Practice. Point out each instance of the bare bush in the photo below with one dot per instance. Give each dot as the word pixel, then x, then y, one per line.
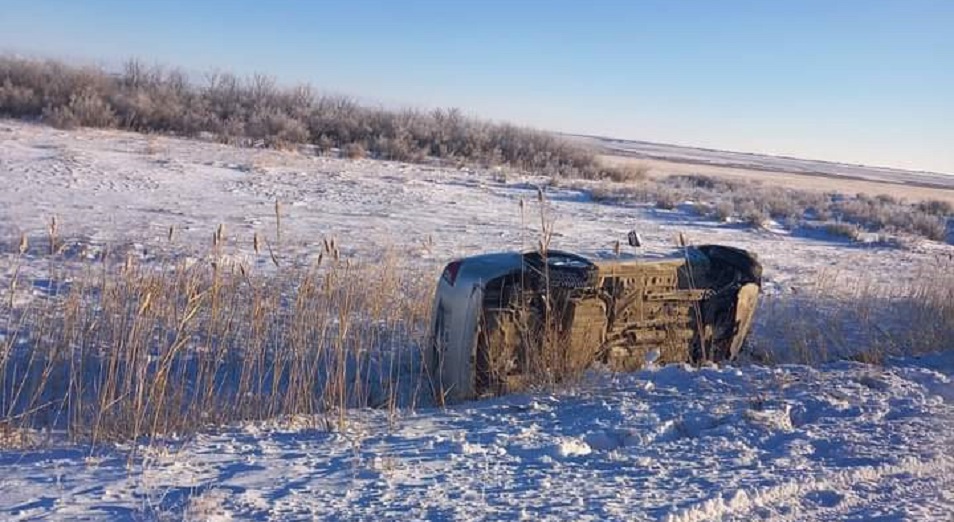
pixel 19 101
pixel 324 144
pixel 142 350
pixel 629 173
pixel 91 110
pixel 401 148
pixel 876 214
pixel 354 151
pixel 755 203
pixel 257 110
pixel 846 230
pixel 60 117
pixel 936 207
pixel 666 200
pixel 781 205
pixel 723 210
pixel 753 214
pixel 927 225
pixel 276 128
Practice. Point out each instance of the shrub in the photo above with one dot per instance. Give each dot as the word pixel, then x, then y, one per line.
pixel 781 205
pixel 754 204
pixel 666 200
pixel 723 210
pixel 399 148
pixel 628 173
pixel 276 128
pixel 928 225
pixel 60 117
pixel 752 214
pixel 354 150
pixel 887 199
pixel 91 110
pixel 936 207
pixel 324 144
pixel 258 110
pixel 847 230
pixel 19 101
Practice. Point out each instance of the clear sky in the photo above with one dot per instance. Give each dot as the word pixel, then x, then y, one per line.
pixel 863 81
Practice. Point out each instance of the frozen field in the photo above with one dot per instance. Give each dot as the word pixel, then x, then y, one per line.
pixel 125 190
pixel 794 173
pixel 840 441
pixel 771 164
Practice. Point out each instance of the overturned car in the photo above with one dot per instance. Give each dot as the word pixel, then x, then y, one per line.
pixel 501 320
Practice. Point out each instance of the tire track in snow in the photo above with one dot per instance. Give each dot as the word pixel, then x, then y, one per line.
pixel 743 504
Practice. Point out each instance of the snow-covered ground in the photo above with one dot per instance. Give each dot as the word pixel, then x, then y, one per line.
pixel 125 190
pixel 845 441
pixel 839 441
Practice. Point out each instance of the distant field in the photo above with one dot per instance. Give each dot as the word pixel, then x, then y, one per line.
pixel 667 160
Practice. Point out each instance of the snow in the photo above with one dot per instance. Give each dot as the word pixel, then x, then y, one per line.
pixel 125 191
pixel 839 440
pixel 789 443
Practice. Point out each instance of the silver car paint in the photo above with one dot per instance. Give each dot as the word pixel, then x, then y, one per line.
pixel 457 308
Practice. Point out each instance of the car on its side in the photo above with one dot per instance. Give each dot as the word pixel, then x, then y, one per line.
pixel 500 319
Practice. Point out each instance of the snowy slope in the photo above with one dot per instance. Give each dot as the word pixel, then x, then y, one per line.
pixel 841 441
pixel 845 441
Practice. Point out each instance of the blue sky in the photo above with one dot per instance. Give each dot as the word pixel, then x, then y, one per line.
pixel 863 81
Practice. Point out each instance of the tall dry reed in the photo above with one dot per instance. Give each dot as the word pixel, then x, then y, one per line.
pixel 124 349
pixel 852 318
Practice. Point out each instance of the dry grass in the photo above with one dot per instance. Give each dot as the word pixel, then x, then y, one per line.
pixel 860 320
pixel 122 350
pixel 756 203
pixel 874 185
pixel 846 230
pixel 354 151
pixel 546 359
pixel 125 350
pixel 128 351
